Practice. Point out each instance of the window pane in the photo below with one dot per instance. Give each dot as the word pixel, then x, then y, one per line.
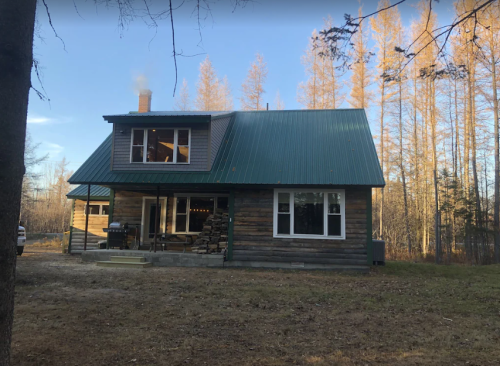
pixel 308 213
pixel 334 226
pixel 183 137
pixel 180 223
pixel 93 209
pixel 283 202
pixel 137 153
pixel 223 203
pixel 284 223
pixel 183 154
pixel 138 137
pixel 181 204
pixel 160 146
pixel 105 209
pixel 199 210
pixel 334 203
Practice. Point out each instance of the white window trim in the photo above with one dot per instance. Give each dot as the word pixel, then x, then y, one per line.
pixel 325 216
pixel 145 146
pixel 163 213
pixel 95 204
pixel 188 204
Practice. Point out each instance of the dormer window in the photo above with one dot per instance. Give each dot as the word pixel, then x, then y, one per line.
pixel 160 145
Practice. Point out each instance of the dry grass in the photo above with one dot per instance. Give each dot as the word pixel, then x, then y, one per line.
pixel 71 313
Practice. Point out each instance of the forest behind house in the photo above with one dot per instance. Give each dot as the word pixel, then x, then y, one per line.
pixel 434 116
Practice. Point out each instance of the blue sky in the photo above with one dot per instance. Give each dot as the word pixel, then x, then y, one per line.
pixel 93 75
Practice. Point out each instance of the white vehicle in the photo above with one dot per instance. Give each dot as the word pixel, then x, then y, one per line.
pixel 21 239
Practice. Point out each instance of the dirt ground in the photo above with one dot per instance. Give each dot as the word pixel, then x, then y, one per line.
pixel 74 313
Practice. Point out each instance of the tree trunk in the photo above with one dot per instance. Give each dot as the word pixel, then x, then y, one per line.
pixel 381 213
pixel 17 20
pixel 496 215
pixel 405 198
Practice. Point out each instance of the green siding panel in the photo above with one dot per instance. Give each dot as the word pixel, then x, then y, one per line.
pixel 300 147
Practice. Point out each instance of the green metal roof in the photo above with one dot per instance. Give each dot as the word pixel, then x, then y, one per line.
pixel 299 147
pixel 97 193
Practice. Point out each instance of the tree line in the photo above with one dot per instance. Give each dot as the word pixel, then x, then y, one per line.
pixel 44 206
pixel 436 117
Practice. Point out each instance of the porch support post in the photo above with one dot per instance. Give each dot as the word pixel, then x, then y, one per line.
pixel 110 213
pixel 87 208
pixel 157 216
pixel 230 227
pixel 71 225
pixel 369 239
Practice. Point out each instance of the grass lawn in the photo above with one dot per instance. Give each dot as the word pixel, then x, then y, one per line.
pixel 73 313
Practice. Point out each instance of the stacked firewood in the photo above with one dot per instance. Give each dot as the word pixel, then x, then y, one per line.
pixel 213 238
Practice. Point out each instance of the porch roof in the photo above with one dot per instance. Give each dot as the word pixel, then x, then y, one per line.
pixel 296 147
pixel 97 193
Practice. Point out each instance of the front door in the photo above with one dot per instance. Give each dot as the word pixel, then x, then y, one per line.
pixel 149 218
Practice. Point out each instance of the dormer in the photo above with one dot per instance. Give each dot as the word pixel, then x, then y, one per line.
pixel 166 141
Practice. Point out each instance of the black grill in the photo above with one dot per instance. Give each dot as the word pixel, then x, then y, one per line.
pixel 117 235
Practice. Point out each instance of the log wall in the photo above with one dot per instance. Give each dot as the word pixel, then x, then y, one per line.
pixel 96 224
pixel 128 208
pixel 253 230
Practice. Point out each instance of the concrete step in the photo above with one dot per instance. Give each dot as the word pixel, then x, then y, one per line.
pixel 113 264
pixel 128 259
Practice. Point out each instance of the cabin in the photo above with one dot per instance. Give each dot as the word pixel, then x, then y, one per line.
pixel 276 189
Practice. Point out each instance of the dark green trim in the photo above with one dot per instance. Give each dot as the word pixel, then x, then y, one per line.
pixel 157 119
pixel 111 205
pixel 70 237
pixel 92 198
pixel 369 239
pixel 111 211
pixel 230 228
pixel 71 226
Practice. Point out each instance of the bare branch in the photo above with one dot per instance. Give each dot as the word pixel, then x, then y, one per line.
pixel 173 45
pixel 51 25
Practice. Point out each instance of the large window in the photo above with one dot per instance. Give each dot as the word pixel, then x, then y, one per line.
pixel 160 145
pixel 309 213
pixel 191 211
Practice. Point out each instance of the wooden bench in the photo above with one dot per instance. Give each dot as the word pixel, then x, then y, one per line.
pixel 165 239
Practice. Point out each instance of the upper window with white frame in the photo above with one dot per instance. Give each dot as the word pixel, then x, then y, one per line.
pixel 305 213
pixel 161 145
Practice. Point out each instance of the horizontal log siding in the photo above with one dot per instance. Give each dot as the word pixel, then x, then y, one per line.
pixel 218 130
pixel 198 150
pixel 253 224
pixel 96 224
pixel 128 207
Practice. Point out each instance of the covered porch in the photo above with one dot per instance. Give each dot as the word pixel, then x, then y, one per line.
pixel 160 218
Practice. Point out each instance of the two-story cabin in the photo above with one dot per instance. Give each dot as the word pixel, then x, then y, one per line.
pixel 294 185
